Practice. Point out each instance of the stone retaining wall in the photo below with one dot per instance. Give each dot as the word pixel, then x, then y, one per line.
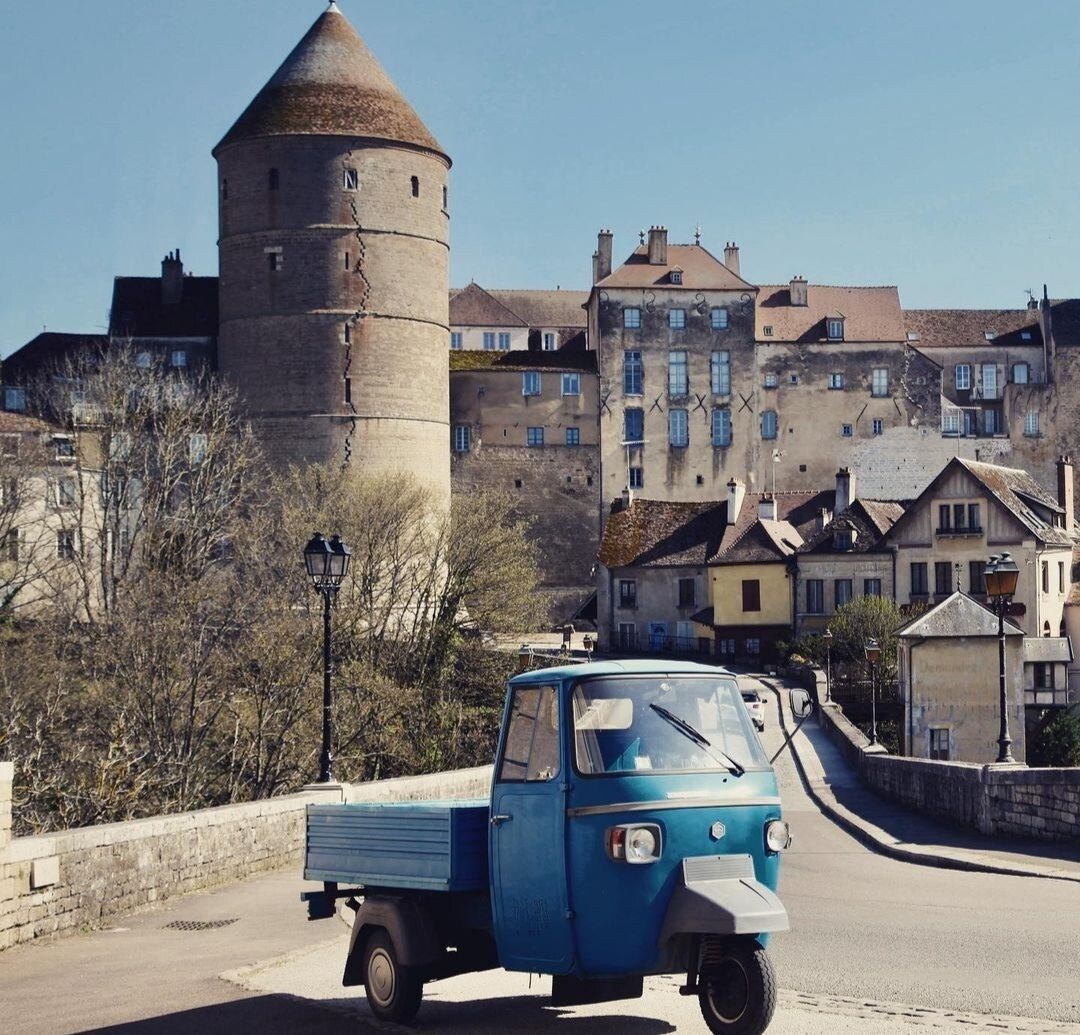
pixel 994 799
pixel 57 883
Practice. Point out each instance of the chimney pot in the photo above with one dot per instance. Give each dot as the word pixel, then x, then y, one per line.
pixel 735 493
pixel 731 257
pixel 602 263
pixel 767 507
pixel 172 279
pixel 845 490
pixel 799 295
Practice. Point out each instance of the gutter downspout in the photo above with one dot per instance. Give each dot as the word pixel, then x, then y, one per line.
pixel 909 693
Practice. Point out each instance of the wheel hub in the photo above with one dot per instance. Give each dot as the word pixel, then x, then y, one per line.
pixel 729 990
pixel 380 977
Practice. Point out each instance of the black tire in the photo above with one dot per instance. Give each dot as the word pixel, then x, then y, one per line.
pixel 393 991
pixel 737 988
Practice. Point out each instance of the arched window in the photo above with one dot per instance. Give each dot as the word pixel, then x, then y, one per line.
pixel 416 186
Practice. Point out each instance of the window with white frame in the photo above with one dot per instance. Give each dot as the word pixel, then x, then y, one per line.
pixel 963 377
pixel 573 436
pixel 834 328
pixel 815 596
pixel 846 431
pixel 877 426
pixel 1020 373
pixel 65 447
pixel 879 384
pixel 836 380
pixel 950 422
pixel 633 424
pixel 631 317
pixel 489 341
pixel 1031 423
pixel 718 318
pixel 65 544
pixel 771 380
pixel 720 373
pixel 768 424
pixel 676 319
pixel 275 259
pixel 351 179
pixel 456 340
pixel 462 438
pixel 633 372
pixel 871 587
pixel 530 382
pixel 636 477
pixel 678 428
pixel 989 380
pixel 504 341
pixel 939 744
pixel 66 492
pixel 571 384
pixel 721 426
pixel 534 437
pixel 179 358
pixel 841 591
pixel 678 383
pixel 550 341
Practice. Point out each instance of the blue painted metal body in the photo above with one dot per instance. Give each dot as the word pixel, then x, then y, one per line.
pixel 559 904
pixel 592 915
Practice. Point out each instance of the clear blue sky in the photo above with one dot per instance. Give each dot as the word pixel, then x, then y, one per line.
pixel 932 145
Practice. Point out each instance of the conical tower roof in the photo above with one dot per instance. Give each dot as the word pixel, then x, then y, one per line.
pixel 331 85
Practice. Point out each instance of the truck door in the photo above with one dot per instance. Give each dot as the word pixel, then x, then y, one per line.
pixel 528 859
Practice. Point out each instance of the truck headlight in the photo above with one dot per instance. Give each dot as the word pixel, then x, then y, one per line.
pixel 777 835
pixel 634 842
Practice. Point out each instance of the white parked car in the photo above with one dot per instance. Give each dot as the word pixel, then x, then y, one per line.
pixel 755 706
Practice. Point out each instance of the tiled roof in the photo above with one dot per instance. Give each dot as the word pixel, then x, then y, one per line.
pixel 23 423
pixel 1016 490
pixel 45 351
pixel 656 533
pixel 869 519
pixel 519 359
pixel 472 306
pixel 951 328
pixel 137 309
pixel 545 308
pixel 870 313
pixel 957 615
pixel 701 270
pixel 331 85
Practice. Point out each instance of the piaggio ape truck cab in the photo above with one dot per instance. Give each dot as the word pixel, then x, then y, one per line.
pixel 633 828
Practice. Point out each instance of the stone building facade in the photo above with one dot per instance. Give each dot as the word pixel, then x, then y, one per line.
pixel 334 248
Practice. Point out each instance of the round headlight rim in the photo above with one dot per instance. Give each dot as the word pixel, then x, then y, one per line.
pixel 774 843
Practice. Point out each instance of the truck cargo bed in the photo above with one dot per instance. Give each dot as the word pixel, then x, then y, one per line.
pixel 435 846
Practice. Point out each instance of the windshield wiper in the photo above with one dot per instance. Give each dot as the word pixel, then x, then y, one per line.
pixel 699 738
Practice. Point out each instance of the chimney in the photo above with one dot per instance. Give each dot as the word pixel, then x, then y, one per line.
pixel 798 291
pixel 1066 490
pixel 731 257
pixel 172 279
pixel 845 490
pixel 658 246
pixel 1046 325
pixel 602 265
pixel 627 497
pixel 735 493
pixel 766 510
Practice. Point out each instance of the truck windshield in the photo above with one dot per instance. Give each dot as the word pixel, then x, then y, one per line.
pixel 617 731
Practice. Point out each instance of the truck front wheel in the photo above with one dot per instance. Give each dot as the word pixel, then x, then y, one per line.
pixel 393 991
pixel 736 988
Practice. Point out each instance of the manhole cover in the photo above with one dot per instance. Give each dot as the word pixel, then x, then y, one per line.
pixel 199 925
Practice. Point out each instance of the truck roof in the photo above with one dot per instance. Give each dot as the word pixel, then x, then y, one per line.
pixel 632 667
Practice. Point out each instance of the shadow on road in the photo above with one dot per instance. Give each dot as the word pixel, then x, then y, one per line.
pixel 276 1013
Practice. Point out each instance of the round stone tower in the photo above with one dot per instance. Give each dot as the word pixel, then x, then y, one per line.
pixel 334 248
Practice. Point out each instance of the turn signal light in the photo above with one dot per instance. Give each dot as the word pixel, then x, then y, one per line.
pixel 634 842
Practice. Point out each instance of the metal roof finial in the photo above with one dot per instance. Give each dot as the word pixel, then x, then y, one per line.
pixel 697 234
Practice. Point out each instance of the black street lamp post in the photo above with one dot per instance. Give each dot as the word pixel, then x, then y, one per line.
pixel 327 563
pixel 1001 576
pixel 827 636
pixel 873 656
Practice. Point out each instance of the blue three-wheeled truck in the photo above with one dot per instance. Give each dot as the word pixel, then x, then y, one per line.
pixel 633 828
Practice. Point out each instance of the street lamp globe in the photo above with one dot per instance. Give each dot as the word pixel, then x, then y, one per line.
pixel 317 555
pixel 1002 575
pixel 873 651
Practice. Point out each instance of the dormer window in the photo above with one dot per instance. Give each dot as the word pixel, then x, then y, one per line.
pixel 834 328
pixel 675 276
pixel 989 335
pixel 767 330
pixel 844 538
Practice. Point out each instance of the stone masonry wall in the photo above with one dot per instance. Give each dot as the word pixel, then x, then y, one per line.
pixel 59 883
pixel 1012 800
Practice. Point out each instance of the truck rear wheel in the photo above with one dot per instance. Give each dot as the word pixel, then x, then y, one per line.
pixel 736 987
pixel 393 991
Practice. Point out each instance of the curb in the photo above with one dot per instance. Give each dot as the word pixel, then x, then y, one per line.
pixel 874 838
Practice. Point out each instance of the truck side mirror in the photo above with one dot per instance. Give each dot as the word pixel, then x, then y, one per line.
pixel 802 704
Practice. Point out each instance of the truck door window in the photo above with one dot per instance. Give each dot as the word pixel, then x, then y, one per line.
pixel 531 751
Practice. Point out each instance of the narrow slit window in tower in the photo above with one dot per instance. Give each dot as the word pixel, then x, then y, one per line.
pixel 346 260
pixel 274 179
pixel 352 179
pixel 444 199
pixel 348 389
pixel 416 186
pixel 348 333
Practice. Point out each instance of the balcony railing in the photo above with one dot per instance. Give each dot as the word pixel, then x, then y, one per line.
pixel 963 530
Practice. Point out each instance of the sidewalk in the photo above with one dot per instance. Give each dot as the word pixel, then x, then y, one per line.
pixel 901 832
